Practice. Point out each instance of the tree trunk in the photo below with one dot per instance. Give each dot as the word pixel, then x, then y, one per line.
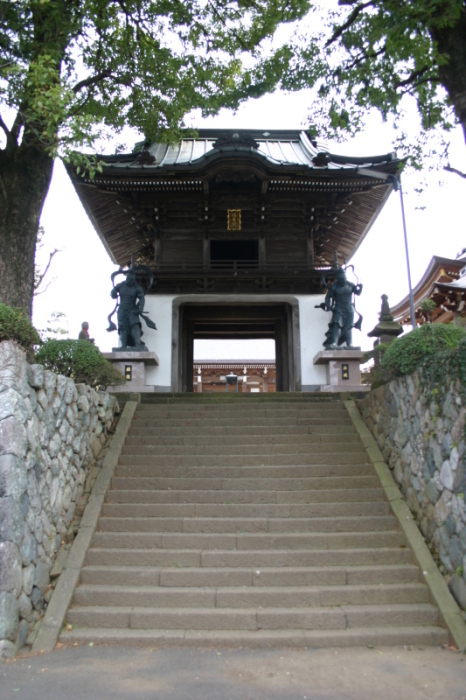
pixel 451 42
pixel 25 174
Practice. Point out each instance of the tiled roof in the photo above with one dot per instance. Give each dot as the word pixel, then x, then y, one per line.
pixel 278 148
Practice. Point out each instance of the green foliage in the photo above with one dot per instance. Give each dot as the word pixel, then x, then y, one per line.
pixel 71 69
pixel 15 325
pixel 367 55
pixel 427 306
pixel 80 360
pixel 422 345
pixel 77 71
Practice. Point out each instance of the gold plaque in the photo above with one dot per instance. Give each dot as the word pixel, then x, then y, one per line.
pixel 234 219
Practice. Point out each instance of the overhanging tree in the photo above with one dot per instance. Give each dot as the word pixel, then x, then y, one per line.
pixel 374 53
pixel 69 68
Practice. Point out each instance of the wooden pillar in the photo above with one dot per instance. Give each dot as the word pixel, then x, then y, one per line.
pixel 310 249
pixel 157 250
pixel 262 252
pixel 187 350
pixel 206 252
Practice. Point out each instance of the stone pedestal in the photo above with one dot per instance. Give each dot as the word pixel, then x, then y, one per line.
pixel 133 366
pixel 343 373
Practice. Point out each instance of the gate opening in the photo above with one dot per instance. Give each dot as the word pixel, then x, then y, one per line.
pixel 240 322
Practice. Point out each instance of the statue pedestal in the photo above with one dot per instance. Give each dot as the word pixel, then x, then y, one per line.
pixel 132 364
pixel 343 373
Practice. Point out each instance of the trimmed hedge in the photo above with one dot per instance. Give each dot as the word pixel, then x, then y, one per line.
pixel 80 360
pixel 16 325
pixel 421 345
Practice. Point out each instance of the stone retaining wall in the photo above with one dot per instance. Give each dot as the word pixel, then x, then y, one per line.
pixel 52 431
pixel 420 429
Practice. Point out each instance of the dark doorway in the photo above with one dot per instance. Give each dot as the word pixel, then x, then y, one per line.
pixel 239 321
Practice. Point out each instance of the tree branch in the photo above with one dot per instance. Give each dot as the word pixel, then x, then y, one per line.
pixel 39 278
pixel 351 19
pixel 365 57
pixel 412 79
pixel 92 81
pixel 449 169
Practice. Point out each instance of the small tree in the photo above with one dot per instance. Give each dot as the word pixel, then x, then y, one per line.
pixel 427 307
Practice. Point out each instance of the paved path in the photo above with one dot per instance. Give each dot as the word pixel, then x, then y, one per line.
pixel 85 672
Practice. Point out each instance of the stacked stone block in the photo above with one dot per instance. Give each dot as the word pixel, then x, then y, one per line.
pixel 420 429
pixel 51 432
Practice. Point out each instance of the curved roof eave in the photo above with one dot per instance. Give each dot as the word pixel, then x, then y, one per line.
pixel 265 163
pixel 434 263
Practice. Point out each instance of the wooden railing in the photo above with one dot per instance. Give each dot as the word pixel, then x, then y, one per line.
pixel 242 266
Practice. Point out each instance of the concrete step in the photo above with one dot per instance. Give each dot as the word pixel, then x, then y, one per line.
pixel 312 441
pixel 276 472
pixel 226 485
pixel 259 510
pixel 232 406
pixel 237 448
pixel 241 420
pixel 256 541
pixel 177 559
pixel 225 414
pixel 246 521
pixel 252 576
pixel 253 618
pixel 263 460
pixel 247 496
pixel 254 639
pixel 227 430
pixel 240 597
pixel 278 401
pixel 249 408
pixel 374 523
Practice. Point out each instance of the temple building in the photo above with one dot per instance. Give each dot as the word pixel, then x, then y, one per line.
pixel 243 233
pixel 444 284
pixel 220 376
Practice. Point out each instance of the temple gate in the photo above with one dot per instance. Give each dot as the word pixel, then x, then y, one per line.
pixel 243 233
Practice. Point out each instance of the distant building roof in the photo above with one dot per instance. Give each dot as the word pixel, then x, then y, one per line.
pixel 444 282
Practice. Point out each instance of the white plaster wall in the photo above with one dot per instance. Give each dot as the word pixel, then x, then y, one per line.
pixel 313 326
pixel 159 341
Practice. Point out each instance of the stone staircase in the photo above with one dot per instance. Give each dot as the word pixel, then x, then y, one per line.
pixel 248 521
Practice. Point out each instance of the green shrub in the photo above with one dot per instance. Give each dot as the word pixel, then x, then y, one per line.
pixel 15 325
pixel 80 360
pixel 421 345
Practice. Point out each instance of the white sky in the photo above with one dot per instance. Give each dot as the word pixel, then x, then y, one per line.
pixel 82 270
